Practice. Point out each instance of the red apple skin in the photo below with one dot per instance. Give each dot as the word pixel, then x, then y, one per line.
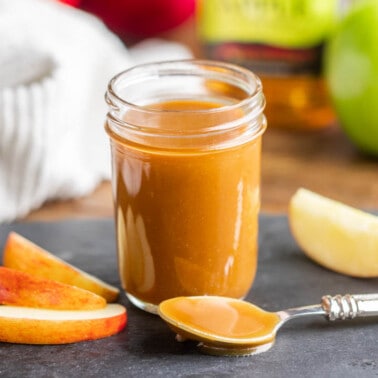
pixel 73 3
pixel 140 18
pixel 23 289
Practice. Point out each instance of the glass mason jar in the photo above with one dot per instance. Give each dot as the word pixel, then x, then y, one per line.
pixel 186 144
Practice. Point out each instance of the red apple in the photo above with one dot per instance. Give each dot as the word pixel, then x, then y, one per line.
pixel 140 18
pixel 73 3
pixel 22 254
pixel 24 289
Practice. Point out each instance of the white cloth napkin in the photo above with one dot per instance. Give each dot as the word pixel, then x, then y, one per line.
pixel 55 63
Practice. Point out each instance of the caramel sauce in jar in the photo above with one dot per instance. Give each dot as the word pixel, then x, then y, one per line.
pixel 186 174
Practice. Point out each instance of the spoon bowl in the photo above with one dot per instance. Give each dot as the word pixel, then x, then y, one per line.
pixel 220 323
pixel 227 326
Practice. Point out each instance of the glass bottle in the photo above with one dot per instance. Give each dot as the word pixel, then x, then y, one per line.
pixel 282 41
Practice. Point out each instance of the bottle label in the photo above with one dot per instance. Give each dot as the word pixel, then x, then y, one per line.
pixel 270 36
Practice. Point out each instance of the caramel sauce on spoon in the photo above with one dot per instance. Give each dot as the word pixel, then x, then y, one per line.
pixel 223 325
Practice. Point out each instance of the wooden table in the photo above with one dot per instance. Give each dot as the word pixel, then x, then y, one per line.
pixel 323 161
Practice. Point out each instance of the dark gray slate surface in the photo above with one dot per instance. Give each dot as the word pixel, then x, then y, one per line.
pixel 310 347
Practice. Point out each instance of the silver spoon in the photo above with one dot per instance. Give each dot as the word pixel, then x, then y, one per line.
pixel 226 326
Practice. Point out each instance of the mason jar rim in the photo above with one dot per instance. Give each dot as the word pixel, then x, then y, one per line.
pixel 250 78
pixel 235 120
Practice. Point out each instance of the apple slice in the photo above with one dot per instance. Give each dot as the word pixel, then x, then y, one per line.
pixel 22 254
pixel 24 325
pixel 336 236
pixel 24 289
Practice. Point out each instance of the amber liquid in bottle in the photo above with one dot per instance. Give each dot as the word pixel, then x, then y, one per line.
pixel 297 102
pixel 294 101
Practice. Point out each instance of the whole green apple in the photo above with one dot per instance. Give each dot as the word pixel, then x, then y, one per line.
pixel 351 72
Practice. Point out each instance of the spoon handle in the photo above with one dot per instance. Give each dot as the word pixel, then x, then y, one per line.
pixel 349 306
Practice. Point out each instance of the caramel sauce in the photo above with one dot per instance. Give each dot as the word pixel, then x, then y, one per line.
pixel 186 219
pixel 217 319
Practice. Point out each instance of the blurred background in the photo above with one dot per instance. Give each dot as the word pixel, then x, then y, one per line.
pixel 318 61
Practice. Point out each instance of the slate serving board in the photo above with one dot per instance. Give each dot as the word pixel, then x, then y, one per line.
pixel 308 347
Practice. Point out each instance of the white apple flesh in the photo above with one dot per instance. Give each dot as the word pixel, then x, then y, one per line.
pixel 23 325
